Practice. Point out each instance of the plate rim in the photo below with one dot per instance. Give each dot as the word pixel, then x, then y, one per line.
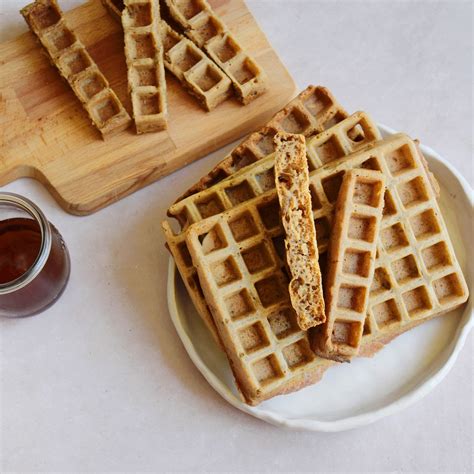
pixel 350 422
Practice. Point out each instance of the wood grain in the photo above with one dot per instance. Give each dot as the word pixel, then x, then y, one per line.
pixel 46 135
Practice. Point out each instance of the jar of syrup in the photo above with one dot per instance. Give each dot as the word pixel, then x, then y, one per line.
pixel 34 261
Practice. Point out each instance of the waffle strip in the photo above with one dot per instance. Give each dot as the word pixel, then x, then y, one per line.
pixel 67 53
pixel 204 27
pixel 417 275
pixel 350 263
pixel 196 72
pixel 314 110
pixel 254 181
pixel 292 185
pixel 145 68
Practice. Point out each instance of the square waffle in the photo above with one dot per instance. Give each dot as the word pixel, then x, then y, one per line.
pixel 350 263
pixel 311 112
pixel 351 134
pixel 206 29
pixel 247 291
pixel 46 20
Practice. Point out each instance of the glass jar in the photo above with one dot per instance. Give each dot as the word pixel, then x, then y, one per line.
pixel 34 261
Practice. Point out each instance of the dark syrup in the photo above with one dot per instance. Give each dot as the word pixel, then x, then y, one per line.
pixel 20 243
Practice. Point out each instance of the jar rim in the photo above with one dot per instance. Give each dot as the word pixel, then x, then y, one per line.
pixel 46 241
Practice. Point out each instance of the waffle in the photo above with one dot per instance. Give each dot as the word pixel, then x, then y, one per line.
pixel 291 180
pixel 145 68
pixel 350 263
pixel 247 290
pixel 314 110
pixel 239 259
pixel 204 27
pixel 253 181
pixel 70 57
pixel 196 72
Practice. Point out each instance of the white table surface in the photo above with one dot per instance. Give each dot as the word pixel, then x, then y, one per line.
pixel 101 382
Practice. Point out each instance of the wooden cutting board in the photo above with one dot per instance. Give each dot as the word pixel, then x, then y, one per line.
pixel 45 133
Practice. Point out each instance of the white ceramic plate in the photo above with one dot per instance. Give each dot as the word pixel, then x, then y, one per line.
pixel 366 390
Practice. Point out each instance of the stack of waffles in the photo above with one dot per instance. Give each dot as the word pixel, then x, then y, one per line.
pixel 194 45
pixel 383 248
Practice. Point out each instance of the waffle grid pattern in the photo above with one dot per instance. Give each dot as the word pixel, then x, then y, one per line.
pixel 201 24
pixel 145 68
pixel 350 267
pixel 196 72
pixel 248 183
pixel 314 110
pixel 67 53
pixel 416 274
pixel 322 149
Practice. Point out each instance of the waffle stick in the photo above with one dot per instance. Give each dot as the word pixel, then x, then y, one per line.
pixel 67 53
pixel 314 110
pixel 254 181
pixel 416 278
pixel 291 180
pixel 207 30
pixel 350 263
pixel 145 67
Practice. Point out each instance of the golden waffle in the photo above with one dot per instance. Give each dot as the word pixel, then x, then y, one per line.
pixel 69 55
pixel 350 263
pixel 292 185
pixel 145 68
pixel 196 72
pixel 247 289
pixel 314 110
pixel 417 275
pixel 203 26
pixel 253 181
